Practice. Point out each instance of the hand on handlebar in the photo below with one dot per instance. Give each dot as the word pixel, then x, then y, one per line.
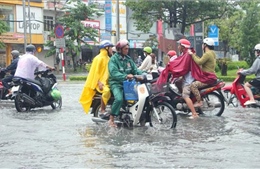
pixel 130 76
pixel 239 70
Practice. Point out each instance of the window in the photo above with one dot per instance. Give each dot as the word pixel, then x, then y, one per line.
pixel 48 23
pixel 7 14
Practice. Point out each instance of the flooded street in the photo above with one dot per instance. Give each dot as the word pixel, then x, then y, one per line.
pixel 68 138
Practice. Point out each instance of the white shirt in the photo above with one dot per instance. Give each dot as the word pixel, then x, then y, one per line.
pixel 145 66
pixel 188 79
pixel 27 65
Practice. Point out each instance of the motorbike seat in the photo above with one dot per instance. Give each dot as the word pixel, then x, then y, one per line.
pixel 211 85
pixel 17 79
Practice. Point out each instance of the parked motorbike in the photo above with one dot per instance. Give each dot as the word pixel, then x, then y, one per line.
pixel 40 92
pixel 213 99
pixel 238 94
pixel 143 103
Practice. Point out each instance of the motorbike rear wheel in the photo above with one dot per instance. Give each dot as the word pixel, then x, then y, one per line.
pixel 215 104
pixel 167 116
pixel 57 104
pixel 20 105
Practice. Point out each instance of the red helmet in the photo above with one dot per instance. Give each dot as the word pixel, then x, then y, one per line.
pixel 171 53
pixel 184 42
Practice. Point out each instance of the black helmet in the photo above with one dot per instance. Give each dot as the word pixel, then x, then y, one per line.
pixel 15 53
pixel 30 48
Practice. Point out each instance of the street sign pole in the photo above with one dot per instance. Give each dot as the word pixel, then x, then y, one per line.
pixel 59 33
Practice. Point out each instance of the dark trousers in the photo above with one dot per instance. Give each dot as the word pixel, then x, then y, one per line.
pixel 6 80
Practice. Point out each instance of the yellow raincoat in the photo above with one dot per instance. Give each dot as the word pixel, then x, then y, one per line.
pixel 98 72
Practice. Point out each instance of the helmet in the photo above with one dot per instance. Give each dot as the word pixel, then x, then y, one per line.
pixel 30 48
pixel 122 43
pixel 15 53
pixel 114 49
pixel 184 42
pixel 171 53
pixel 55 94
pixel 209 41
pixel 148 50
pixel 257 47
pixel 105 43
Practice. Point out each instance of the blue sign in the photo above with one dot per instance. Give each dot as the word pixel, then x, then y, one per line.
pixel 59 31
pixel 213 31
pixel 108 16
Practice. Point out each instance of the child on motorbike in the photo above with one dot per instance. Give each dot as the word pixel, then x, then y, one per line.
pixel 97 79
pixel 207 63
pixel 121 67
pixel 254 69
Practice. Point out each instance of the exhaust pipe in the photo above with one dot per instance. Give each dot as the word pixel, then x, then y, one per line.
pixel 28 99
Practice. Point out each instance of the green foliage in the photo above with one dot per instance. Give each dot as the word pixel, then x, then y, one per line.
pixel 74 30
pixel 172 12
pixel 77 78
pixel 3 28
pixel 88 66
pixel 237 64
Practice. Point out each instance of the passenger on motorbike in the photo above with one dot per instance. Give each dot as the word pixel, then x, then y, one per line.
pixel 11 68
pixel 147 62
pixel 121 67
pixel 28 63
pixel 172 55
pixel 97 80
pixel 254 69
pixel 207 62
pixel 183 46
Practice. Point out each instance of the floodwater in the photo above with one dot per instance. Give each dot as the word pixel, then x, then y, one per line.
pixel 68 138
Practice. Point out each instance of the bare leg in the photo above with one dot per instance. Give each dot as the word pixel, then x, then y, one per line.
pixel 103 106
pixel 249 91
pixel 111 121
pixel 191 107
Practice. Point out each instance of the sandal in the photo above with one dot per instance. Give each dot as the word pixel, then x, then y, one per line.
pixel 112 124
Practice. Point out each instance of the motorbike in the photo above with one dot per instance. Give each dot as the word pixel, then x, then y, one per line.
pixel 238 95
pixel 143 103
pixel 3 91
pixel 213 99
pixel 39 92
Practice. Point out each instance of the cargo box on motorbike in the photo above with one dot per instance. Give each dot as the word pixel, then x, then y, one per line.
pixel 130 90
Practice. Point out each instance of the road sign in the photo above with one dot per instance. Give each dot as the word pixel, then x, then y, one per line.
pixel 59 31
pixel 60 42
pixel 214 33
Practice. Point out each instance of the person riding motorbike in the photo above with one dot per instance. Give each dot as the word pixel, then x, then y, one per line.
pixel 187 79
pixel 97 80
pixel 254 69
pixel 147 62
pixel 121 67
pixel 28 63
pixel 11 68
pixel 207 63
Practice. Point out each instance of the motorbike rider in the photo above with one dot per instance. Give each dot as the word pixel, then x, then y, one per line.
pixel 207 63
pixel 28 63
pixel 121 67
pixel 172 55
pixel 11 68
pixel 147 62
pixel 183 46
pixel 97 80
pixel 254 69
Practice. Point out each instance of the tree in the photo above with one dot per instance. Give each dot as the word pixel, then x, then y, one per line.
pixel 174 12
pixel 251 30
pixel 75 32
pixel 3 28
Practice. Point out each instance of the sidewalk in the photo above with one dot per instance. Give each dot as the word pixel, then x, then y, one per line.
pixel 59 75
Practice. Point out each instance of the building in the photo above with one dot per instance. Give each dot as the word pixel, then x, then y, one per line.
pixel 12 13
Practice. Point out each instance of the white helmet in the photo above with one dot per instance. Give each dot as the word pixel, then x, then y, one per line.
pixel 209 41
pixel 257 47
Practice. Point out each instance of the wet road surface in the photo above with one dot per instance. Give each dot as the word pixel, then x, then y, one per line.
pixel 68 138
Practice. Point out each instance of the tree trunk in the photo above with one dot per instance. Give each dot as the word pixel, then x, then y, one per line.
pixel 224 68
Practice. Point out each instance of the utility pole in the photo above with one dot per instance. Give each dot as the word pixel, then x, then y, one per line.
pixel 29 15
pixel 24 26
pixel 117 21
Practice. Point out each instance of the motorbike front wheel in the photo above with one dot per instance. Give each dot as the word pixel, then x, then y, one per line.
pixel 20 105
pixel 163 116
pixel 56 104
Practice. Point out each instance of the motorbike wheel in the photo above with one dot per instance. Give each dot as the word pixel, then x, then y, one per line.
pixel 57 104
pixel 96 107
pixel 167 116
pixel 213 104
pixel 19 105
pixel 231 99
